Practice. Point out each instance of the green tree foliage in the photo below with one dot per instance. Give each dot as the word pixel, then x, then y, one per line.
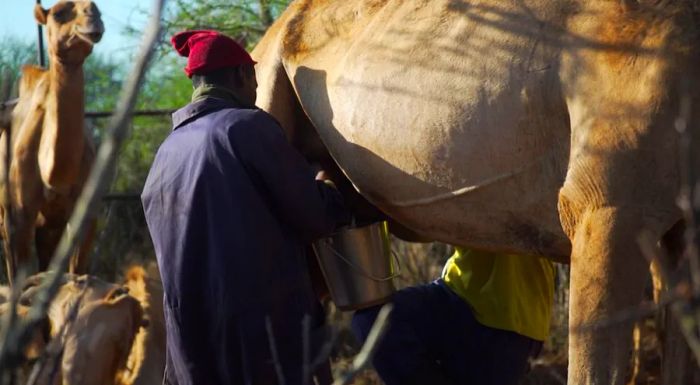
pixel 14 53
pixel 166 88
pixel 244 20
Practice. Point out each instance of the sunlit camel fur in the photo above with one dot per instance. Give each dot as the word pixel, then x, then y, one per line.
pixel 51 152
pixel 536 127
pixel 146 362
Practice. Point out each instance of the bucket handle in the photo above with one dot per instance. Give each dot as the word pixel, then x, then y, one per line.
pixel 360 270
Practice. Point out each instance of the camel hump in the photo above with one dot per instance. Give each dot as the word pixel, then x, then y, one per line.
pixel 143 282
pixel 304 34
pixel 31 76
pixel 136 278
pixel 146 360
pixel 136 273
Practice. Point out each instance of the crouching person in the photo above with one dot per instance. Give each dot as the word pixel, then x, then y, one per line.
pixel 480 323
pixel 230 206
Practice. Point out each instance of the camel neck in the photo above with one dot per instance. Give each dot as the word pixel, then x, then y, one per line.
pixel 63 137
pixel 67 87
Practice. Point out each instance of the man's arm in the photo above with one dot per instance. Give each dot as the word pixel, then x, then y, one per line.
pixel 312 207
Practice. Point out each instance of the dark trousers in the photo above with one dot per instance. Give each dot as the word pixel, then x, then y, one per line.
pixel 433 338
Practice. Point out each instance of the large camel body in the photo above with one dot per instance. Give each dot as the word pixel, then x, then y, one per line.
pixel 51 154
pixel 535 127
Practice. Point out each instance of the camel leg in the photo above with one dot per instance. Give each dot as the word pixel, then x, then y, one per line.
pixel 79 262
pixel 19 253
pixel 46 241
pixel 608 275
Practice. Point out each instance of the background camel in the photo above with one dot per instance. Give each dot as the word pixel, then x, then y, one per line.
pixel 93 325
pixel 51 152
pixel 535 127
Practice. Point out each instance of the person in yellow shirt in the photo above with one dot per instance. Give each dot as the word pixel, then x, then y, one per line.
pixel 479 323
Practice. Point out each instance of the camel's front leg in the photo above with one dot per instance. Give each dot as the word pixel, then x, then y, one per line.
pixel 608 273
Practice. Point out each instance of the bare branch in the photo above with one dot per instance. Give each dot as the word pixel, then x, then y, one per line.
pixel 273 351
pixel 306 349
pixel 364 357
pixel 687 324
pixel 6 125
pixel 95 187
pixel 54 351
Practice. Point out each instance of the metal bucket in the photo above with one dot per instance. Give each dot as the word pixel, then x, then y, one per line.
pixel 357 265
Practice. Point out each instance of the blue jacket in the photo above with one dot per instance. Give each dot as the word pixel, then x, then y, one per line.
pixel 230 205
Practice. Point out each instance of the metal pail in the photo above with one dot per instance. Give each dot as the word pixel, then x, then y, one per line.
pixel 357 265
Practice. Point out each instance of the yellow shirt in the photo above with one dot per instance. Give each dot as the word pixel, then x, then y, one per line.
pixel 508 292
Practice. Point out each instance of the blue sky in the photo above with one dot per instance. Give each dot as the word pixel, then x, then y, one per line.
pixel 18 20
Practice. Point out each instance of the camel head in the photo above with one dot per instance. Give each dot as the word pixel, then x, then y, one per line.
pixel 73 27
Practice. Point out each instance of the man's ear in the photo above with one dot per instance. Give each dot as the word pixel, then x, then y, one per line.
pixel 236 76
pixel 40 14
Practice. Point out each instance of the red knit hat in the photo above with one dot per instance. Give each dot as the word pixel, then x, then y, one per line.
pixel 207 51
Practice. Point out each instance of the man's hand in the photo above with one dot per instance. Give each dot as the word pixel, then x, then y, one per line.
pixel 322 175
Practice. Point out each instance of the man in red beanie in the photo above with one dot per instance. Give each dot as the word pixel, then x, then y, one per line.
pixel 230 206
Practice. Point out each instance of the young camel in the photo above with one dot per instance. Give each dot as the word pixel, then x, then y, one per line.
pixel 146 362
pixel 51 154
pixel 93 325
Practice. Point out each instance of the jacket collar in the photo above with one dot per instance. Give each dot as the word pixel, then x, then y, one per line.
pixel 199 108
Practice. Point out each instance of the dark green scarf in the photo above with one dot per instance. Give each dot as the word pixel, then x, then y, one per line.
pixel 215 91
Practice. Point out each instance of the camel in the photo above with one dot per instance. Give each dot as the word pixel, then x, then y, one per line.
pixel 533 127
pixel 51 152
pixel 146 362
pixel 93 325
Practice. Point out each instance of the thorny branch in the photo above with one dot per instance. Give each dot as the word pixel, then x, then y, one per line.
pixel 96 185
pixel 54 351
pixel 676 301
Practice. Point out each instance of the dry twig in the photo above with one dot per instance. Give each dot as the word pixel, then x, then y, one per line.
pixel 364 357
pixel 689 316
pixel 54 351
pixel 96 185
